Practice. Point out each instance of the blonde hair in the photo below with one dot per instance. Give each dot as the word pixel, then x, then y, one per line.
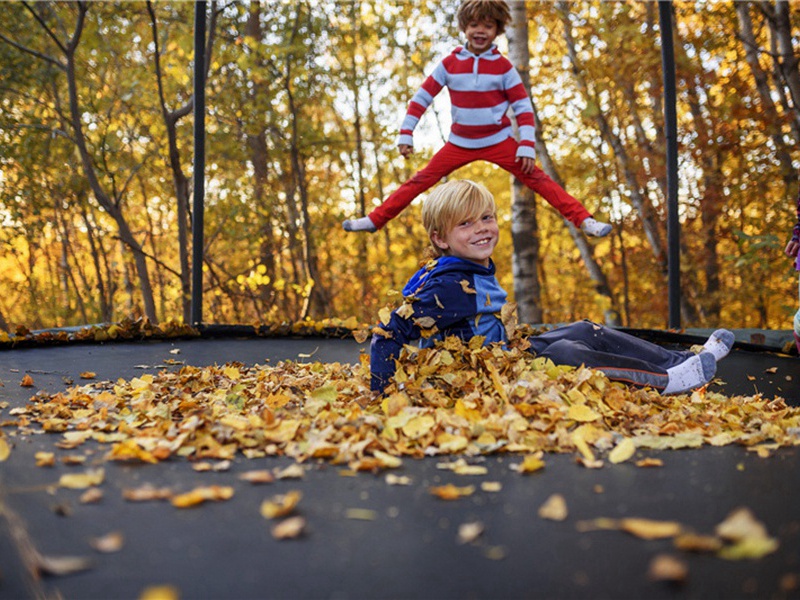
pixel 452 203
pixel 484 10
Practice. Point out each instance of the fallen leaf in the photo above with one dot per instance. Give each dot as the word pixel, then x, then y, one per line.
pixel 5 449
pixel 259 476
pixel 88 375
pixel 290 528
pixel 62 565
pixel 111 542
pixel 45 459
pixel 361 514
pixel 649 529
pixel 91 496
pixel 554 508
pixel 146 493
pixel 622 451
pixel 160 592
pixel 665 567
pixel 530 464
pixel 27 381
pixel 280 505
pixel 469 532
pixel 77 481
pixel 198 495
pixel 452 492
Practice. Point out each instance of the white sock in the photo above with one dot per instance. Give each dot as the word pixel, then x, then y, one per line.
pixel 362 224
pixel 719 343
pixel 691 373
pixel 595 228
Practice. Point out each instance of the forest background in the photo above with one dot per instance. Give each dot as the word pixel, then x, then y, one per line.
pixel 304 101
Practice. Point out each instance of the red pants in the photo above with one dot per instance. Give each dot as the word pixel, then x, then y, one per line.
pixel 451 157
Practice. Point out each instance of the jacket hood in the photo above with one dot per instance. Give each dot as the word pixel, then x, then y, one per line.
pixel 443 265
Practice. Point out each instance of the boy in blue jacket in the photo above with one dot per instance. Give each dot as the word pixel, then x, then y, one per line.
pixel 458 294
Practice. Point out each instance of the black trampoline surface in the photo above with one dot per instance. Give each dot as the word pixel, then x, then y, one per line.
pixel 367 539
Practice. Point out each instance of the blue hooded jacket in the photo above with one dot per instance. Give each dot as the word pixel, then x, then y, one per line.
pixel 457 296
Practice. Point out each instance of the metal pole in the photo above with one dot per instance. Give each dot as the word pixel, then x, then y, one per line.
pixel 199 168
pixel 671 132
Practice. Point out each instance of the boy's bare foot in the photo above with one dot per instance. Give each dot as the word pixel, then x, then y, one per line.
pixel 595 228
pixel 362 224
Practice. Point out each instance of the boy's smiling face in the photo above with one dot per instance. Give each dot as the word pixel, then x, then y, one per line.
pixel 480 35
pixel 472 239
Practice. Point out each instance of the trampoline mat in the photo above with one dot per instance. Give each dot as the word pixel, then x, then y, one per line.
pixel 365 538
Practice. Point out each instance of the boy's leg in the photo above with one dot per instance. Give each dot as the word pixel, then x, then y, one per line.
pixel 505 155
pixel 796 322
pixel 444 162
pixel 612 342
pixel 692 372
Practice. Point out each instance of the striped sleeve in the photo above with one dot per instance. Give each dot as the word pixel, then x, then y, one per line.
pixel 523 110
pixel 420 102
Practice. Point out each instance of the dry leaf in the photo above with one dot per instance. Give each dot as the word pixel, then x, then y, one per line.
pixel 111 542
pixel 160 592
pixel 260 476
pixel 469 532
pixel 5 449
pixel 77 481
pixel 280 505
pixel 27 381
pixel 531 464
pixel 622 451
pixel 554 508
pixel 45 459
pixel 361 514
pixel 88 375
pixel 290 528
pixel 294 471
pixel 214 493
pixel 61 565
pixel 91 496
pixel 665 567
pixel 146 493
pixel 393 479
pixel 451 492
pixel 649 529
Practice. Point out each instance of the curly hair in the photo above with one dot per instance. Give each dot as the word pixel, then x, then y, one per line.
pixel 484 10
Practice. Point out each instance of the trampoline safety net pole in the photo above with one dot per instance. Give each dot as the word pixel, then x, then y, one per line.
pixel 671 134
pixel 199 161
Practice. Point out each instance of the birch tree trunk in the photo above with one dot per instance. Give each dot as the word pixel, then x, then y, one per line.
pixel 524 228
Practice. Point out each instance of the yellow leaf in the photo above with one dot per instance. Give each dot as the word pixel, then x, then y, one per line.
pixel 531 464
pixel 199 495
pixel 648 529
pixel 77 481
pixel 581 413
pixel 452 492
pixel 290 528
pixel 5 449
pixel 280 505
pixel 622 451
pixel 418 426
pixel 554 508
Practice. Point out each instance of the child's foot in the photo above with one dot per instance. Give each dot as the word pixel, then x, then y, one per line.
pixel 719 343
pixel 362 224
pixel 595 228
pixel 691 373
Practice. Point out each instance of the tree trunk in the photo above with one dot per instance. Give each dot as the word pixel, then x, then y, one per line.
pixel 524 228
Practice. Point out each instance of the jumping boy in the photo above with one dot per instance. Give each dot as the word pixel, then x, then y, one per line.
pixel 483 84
pixel 459 294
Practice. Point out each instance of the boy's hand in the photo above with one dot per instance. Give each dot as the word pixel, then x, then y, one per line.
pixel 528 164
pixel 406 150
pixel 792 248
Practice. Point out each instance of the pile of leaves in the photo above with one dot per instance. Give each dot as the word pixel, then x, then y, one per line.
pixel 142 328
pixel 455 399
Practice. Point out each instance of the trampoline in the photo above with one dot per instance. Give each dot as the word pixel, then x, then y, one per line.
pixel 365 538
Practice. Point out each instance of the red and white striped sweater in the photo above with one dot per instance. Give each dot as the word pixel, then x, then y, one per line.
pixel 482 88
